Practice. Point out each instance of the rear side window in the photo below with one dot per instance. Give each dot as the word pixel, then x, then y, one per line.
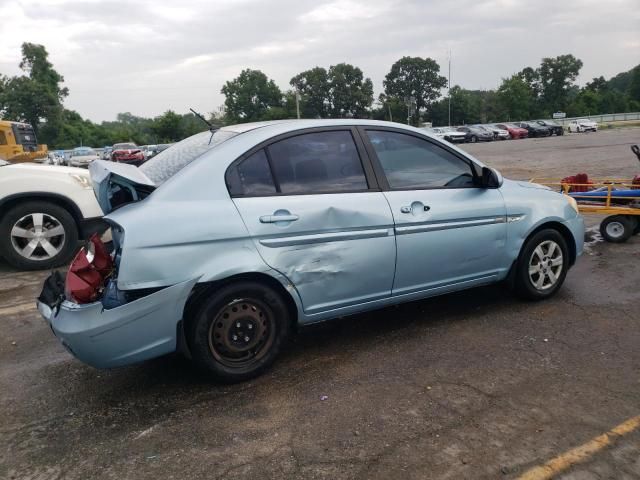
pixel 413 163
pixel 251 177
pixel 322 162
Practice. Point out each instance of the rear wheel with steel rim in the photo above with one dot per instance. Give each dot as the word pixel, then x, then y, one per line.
pixel 239 330
pixel 37 235
pixel 542 265
pixel 617 228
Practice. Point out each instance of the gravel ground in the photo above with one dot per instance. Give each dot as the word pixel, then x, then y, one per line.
pixel 470 385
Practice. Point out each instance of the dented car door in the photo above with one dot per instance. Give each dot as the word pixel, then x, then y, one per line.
pixel 316 215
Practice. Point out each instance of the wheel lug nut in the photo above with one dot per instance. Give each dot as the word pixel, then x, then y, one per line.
pixel 238 325
pixel 249 326
pixel 235 337
pixel 246 339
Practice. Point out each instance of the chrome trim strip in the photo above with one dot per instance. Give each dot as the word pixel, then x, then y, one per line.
pixel 325 237
pixel 515 218
pixel 432 227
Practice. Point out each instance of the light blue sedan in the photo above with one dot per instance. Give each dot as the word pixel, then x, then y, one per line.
pixel 227 241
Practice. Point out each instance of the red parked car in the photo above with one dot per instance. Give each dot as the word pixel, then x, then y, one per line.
pixel 127 153
pixel 514 130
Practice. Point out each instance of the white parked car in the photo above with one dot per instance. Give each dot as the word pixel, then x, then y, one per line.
pixel 82 157
pixel 44 211
pixel 449 134
pixel 582 125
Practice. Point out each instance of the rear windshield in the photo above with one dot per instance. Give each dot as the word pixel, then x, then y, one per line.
pixel 170 161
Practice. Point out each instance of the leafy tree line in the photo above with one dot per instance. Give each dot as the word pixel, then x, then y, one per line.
pixel 36 97
pixel 412 93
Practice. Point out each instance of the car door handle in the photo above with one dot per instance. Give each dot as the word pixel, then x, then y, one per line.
pixel 408 209
pixel 278 218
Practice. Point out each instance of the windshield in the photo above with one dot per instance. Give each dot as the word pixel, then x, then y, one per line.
pixel 124 146
pixel 170 161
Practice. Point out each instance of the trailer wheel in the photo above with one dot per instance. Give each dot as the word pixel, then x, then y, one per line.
pixel 617 228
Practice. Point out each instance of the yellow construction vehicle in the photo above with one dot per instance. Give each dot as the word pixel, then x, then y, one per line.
pixel 18 143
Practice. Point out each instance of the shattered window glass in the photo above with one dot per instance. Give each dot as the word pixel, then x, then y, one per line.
pixel 170 161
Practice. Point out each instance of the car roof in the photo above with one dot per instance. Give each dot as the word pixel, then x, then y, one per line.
pixel 284 126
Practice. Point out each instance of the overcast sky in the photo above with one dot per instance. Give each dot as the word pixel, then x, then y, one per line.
pixel 149 56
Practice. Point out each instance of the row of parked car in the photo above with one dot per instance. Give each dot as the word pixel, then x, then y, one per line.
pixel 512 130
pixel 120 152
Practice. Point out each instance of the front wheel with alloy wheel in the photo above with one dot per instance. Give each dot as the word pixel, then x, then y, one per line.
pixel 37 235
pixel 238 331
pixel 618 228
pixel 542 265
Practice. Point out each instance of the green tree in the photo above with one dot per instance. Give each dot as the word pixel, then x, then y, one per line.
pixel 633 89
pixel 314 88
pixel 598 84
pixel 415 77
pixel 350 94
pixel 250 96
pixel 36 96
pixel 516 98
pixel 557 76
pixel 168 127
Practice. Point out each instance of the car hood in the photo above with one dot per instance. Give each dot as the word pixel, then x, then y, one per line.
pixel 536 186
pixel 117 184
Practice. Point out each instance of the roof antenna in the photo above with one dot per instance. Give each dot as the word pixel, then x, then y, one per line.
pixel 212 127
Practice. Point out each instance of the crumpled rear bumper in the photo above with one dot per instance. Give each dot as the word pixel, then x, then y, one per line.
pixel 139 330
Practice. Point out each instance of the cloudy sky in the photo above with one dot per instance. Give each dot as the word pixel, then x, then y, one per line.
pixel 148 56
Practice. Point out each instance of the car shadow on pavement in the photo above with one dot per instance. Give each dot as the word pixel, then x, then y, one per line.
pixel 174 374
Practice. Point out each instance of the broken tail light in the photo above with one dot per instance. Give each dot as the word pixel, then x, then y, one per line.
pixel 88 272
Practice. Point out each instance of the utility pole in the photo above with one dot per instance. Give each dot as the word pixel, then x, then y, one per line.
pixel 449 87
pixel 298 104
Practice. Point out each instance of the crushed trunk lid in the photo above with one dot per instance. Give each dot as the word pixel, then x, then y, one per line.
pixel 118 184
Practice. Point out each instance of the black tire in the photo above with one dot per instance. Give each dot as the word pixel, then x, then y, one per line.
pixel 66 244
pixel 525 282
pixel 474 139
pixel 617 228
pixel 212 333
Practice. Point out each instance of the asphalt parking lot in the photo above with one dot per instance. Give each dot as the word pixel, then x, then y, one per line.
pixel 471 385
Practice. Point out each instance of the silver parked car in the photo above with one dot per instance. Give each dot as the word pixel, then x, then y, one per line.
pixel 82 157
pixel 227 241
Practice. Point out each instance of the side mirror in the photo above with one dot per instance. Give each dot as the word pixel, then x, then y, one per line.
pixel 490 178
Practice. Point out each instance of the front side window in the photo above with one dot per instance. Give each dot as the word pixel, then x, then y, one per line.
pixel 322 162
pixel 413 163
